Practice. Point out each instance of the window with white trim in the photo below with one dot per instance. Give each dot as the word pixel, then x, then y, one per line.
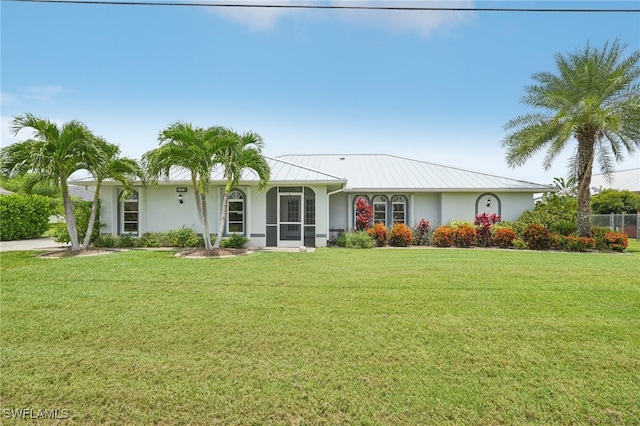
pixel 399 207
pixel 129 214
pixel 236 216
pixel 380 209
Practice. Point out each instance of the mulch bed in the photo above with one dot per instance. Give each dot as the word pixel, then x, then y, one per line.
pixel 212 253
pixel 91 251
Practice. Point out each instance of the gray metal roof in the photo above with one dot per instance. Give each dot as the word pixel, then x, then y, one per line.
pixel 373 172
pixel 621 180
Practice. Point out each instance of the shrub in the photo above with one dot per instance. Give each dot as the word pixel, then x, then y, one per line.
pixel 82 212
pixel 379 234
pixel 582 244
pixel 616 241
pixel 537 237
pixel 614 201
pixel 184 237
pixel 564 228
pixel 23 217
pixel 341 241
pixel 464 236
pixel 519 244
pixel 554 210
pixel 359 240
pixel 421 233
pixel 484 223
pixel 235 241
pixel 401 235
pixel 558 241
pixel 107 241
pixel 503 237
pixel 364 214
pixel 442 237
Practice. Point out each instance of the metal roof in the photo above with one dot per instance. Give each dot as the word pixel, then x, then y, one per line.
pixel 621 180
pixel 373 172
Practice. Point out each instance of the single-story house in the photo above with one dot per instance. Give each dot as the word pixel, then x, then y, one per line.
pixel 311 198
pixel 622 180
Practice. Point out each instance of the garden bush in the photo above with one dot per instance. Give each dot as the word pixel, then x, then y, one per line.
pixel 484 223
pixel 82 212
pixel 553 211
pixel 359 240
pixel 401 235
pixel 235 241
pixel 442 237
pixel 23 217
pixel 581 244
pixel 616 241
pixel 464 236
pixel 379 234
pixel 537 237
pixel 503 237
pixel 364 214
pixel 184 237
pixel 421 233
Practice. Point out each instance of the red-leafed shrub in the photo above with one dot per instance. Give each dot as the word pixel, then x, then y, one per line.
pixel 364 214
pixel 503 237
pixel 421 233
pixel 616 241
pixel 575 243
pixel 484 223
pixel 401 235
pixel 537 237
pixel 442 237
pixel 464 236
pixel 379 234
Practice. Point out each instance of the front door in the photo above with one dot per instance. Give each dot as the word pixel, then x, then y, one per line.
pixel 290 224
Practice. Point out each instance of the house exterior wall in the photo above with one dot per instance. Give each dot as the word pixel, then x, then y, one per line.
pixel 160 211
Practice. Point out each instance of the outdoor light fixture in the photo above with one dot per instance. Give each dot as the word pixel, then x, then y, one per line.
pixel 180 200
pixel 488 202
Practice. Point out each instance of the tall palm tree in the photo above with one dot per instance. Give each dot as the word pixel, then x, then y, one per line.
pixel 52 155
pixel 594 98
pixel 124 170
pixel 245 152
pixel 191 148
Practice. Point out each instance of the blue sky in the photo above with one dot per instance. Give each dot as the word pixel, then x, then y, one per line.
pixel 434 86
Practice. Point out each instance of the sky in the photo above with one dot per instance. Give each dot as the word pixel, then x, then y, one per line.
pixel 435 86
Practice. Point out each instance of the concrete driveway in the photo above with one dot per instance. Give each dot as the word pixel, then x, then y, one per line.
pixel 34 244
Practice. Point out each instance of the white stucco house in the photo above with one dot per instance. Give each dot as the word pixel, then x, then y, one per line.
pixel 311 198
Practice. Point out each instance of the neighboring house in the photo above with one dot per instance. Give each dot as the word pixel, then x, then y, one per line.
pixel 311 198
pixel 622 180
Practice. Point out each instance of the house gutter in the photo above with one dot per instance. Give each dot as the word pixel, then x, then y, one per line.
pixel 329 194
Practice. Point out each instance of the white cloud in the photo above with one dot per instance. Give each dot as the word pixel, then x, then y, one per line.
pixel 7 99
pixel 421 22
pixel 256 18
pixel 42 93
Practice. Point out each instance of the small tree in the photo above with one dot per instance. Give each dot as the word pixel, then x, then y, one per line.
pixel 613 201
pixel 364 214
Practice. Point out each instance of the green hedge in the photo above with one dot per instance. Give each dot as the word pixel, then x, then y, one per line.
pixel 82 212
pixel 23 217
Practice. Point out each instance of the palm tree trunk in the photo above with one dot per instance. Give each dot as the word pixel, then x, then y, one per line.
pixel 206 234
pixel 586 143
pixel 70 217
pixel 92 217
pixel 223 213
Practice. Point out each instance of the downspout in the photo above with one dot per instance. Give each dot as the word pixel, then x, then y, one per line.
pixel 329 194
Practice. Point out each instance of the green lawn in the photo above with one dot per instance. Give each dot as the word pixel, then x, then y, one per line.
pixel 383 336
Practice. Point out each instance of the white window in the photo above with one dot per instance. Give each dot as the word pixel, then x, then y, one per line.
pixel 380 209
pixel 130 215
pixel 399 206
pixel 235 218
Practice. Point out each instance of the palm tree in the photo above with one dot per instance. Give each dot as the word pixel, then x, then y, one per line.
pixel 191 148
pixel 594 98
pixel 124 170
pixel 245 152
pixel 52 155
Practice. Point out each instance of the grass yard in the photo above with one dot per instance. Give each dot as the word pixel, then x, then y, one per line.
pixel 378 337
